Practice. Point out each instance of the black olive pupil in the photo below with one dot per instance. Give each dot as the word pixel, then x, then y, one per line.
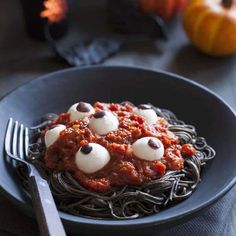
pixel 86 149
pixel 152 144
pixel 144 106
pixel 83 107
pixel 99 114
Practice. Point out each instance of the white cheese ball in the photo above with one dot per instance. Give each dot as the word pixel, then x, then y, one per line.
pixel 147 113
pixel 53 134
pixel 91 157
pixel 103 122
pixel 148 148
pixel 80 110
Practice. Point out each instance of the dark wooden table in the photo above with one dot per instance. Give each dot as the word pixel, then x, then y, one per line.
pixel 22 60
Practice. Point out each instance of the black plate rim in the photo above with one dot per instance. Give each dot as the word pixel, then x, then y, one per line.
pixel 140 222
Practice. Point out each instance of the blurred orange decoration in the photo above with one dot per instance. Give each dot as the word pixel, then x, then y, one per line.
pixel 55 10
pixel 211 26
pixel 166 9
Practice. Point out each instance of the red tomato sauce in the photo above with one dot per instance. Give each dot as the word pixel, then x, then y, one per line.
pixel 124 168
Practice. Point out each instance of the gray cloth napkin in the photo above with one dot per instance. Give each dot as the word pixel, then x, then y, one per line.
pixel 215 221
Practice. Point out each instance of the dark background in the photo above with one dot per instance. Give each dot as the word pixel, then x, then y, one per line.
pixel 22 59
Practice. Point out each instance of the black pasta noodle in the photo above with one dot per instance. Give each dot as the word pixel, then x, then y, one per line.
pixel 129 202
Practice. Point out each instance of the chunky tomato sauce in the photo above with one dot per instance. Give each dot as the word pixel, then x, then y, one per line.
pixel 124 168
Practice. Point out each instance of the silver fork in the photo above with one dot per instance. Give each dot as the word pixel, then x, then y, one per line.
pixel 16 147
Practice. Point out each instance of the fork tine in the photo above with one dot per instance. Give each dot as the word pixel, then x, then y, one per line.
pixel 15 137
pixel 21 142
pixel 46 211
pixel 8 136
pixel 26 138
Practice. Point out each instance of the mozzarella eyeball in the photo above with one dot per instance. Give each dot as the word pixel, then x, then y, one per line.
pixel 103 122
pixel 80 110
pixel 148 148
pixel 147 113
pixel 53 134
pixel 91 157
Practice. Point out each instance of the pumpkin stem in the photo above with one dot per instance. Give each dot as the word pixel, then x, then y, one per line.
pixel 227 3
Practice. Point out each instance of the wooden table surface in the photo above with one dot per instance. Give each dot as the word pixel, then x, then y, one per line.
pixel 22 59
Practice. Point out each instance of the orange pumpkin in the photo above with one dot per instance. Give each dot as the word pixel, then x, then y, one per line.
pixel 211 25
pixel 166 9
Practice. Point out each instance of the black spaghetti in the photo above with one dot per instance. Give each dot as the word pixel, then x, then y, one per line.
pixel 128 202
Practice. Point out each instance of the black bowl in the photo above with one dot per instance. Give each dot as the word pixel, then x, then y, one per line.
pixel 191 102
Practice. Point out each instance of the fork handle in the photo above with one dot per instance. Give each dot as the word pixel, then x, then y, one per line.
pixel 46 212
